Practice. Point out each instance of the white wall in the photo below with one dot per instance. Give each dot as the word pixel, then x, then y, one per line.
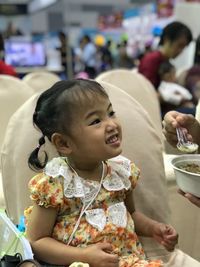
pixel 186 59
pixel 71 14
pixel 189 13
pixel 39 21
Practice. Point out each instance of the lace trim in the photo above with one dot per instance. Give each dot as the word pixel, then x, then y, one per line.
pixel 116 214
pixel 96 218
pixel 75 186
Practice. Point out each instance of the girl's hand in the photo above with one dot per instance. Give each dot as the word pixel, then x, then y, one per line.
pixel 166 235
pixel 99 255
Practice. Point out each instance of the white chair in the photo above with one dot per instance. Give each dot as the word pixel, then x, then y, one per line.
pixel 41 80
pixel 13 93
pixel 141 144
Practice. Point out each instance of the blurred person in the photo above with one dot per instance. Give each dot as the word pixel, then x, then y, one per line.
pixel 63 48
pixel 66 59
pixel 175 37
pixel 12 30
pixel 5 68
pixel 197 51
pixel 173 95
pixel 192 82
pixel 1 46
pixel 78 61
pixel 89 56
pixel 123 60
pixel 143 51
pixel 191 126
pixel 106 56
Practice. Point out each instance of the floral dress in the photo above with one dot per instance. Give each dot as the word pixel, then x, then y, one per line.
pixel 106 217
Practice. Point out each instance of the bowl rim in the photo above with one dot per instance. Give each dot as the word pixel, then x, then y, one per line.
pixel 183 158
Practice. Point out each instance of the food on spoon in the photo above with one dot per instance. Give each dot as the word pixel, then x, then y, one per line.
pixel 189 148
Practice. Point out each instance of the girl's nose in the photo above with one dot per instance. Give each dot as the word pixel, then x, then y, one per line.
pixel 111 124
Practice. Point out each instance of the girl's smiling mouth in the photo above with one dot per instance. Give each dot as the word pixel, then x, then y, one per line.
pixel 113 139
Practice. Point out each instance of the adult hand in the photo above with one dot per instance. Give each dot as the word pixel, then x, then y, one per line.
pixel 100 255
pixel 174 119
pixel 193 199
pixel 166 235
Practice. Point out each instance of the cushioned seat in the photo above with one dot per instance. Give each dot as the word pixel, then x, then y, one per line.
pixel 40 81
pixel 13 93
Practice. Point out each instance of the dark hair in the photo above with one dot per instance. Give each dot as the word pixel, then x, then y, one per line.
pixel 164 68
pixel 174 31
pixel 86 38
pixel 54 110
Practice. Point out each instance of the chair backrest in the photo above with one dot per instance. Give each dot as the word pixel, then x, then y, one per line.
pixel 41 81
pixel 15 170
pixel 13 93
pixel 137 86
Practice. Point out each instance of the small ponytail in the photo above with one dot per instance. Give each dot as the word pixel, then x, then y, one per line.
pixel 34 162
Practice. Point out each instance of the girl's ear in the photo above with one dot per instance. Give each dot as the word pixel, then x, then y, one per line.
pixel 61 144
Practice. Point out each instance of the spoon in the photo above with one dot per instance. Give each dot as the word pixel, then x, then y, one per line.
pixel 183 144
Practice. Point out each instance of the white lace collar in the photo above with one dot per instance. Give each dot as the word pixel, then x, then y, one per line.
pixel 119 171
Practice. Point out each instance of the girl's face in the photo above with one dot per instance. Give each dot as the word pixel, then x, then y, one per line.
pixel 96 132
pixel 174 48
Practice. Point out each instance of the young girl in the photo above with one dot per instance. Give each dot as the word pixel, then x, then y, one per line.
pixel 83 207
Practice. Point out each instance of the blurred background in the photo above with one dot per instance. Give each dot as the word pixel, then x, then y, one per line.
pixel 48 33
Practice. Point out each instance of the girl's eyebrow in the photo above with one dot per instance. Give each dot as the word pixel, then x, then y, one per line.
pixel 97 111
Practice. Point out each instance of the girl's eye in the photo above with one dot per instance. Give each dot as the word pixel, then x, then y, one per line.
pixel 95 122
pixel 111 113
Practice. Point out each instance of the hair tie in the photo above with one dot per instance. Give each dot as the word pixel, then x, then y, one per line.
pixel 41 142
pixel 38 146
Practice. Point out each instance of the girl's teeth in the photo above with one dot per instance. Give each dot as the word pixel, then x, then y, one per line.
pixel 112 140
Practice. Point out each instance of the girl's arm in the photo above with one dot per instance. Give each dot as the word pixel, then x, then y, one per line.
pixel 143 224
pixel 164 234
pixel 47 249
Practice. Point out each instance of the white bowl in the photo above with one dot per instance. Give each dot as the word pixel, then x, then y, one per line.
pixel 187 181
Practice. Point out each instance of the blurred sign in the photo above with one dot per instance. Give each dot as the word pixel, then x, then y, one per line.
pixel 165 8
pixel 10 9
pixel 111 21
